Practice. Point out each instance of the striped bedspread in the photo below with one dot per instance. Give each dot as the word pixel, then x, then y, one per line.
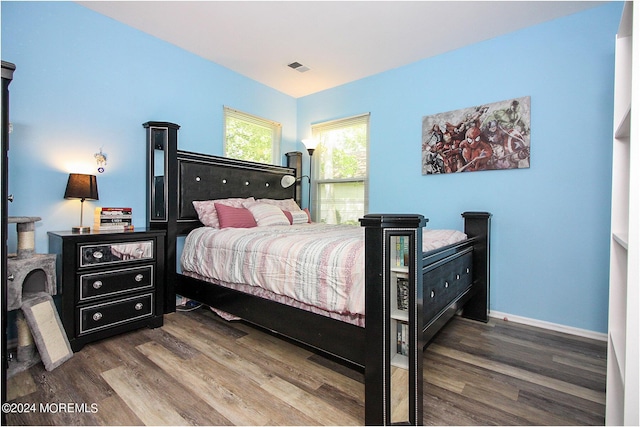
pixel 319 265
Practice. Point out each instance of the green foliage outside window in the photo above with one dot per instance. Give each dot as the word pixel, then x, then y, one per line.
pixel 343 153
pixel 248 141
pixel 341 161
pixel 250 138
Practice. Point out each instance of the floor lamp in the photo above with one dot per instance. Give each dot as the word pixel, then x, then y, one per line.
pixel 311 145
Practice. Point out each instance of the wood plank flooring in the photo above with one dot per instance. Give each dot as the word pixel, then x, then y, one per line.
pixel 200 370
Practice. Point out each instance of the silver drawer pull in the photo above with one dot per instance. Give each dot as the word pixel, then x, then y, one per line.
pixel 11 277
pixel 138 306
pixel 446 284
pixel 139 277
pixel 457 277
pixel 98 254
pixel 467 270
pixel 97 316
pixel 97 284
pixel 433 293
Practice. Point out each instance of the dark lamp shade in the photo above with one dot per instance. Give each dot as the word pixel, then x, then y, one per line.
pixel 81 186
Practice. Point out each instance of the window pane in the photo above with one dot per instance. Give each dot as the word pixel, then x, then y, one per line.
pixel 340 203
pixel 248 141
pixel 249 137
pixel 342 152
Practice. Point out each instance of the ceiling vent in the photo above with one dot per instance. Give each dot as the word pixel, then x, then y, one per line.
pixel 299 67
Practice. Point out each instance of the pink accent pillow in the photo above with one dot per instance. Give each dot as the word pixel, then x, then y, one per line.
pixel 266 214
pixel 231 217
pixel 207 213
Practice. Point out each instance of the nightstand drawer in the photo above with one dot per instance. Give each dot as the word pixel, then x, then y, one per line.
pixel 115 282
pixel 106 315
pixel 113 253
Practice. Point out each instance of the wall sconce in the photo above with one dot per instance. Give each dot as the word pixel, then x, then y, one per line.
pixel 101 160
pixel 81 186
pixel 288 180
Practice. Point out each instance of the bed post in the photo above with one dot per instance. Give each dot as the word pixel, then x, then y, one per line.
pixel 385 382
pixel 478 224
pixel 162 196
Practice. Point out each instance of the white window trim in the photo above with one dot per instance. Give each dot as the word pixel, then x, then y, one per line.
pixel 260 121
pixel 337 124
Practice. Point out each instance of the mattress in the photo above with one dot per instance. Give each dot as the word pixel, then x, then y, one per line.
pixel 316 267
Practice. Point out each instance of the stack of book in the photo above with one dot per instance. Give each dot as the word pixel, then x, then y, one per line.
pixel 112 219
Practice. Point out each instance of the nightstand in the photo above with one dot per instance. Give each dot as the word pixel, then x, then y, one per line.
pixel 111 282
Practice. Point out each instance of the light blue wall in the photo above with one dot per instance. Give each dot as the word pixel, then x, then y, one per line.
pixel 85 82
pixel 550 241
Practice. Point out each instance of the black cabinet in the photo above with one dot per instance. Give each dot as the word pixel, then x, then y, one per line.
pixel 111 282
pixel 7 76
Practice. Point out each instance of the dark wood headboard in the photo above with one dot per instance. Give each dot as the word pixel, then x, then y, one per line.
pixel 206 177
pixel 181 177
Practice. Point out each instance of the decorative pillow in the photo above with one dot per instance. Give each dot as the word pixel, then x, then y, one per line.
pixel 229 216
pixel 297 217
pixel 286 204
pixel 207 213
pixel 266 214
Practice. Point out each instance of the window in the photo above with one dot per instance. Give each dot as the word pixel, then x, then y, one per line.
pixel 340 170
pixel 252 138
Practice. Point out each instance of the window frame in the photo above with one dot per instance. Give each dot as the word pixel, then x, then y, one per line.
pixel 316 130
pixel 276 131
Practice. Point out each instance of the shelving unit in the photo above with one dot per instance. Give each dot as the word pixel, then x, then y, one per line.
pixel 400 315
pixel 622 356
pixel 401 297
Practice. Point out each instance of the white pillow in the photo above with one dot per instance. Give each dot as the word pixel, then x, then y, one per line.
pixel 298 217
pixel 266 214
pixel 285 204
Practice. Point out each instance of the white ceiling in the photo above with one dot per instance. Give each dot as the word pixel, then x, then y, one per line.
pixel 340 41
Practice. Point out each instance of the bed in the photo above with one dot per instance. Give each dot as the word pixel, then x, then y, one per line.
pixel 398 274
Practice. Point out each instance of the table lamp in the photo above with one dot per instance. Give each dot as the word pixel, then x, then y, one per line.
pixel 81 186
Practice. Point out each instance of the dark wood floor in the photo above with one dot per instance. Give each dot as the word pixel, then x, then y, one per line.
pixel 199 370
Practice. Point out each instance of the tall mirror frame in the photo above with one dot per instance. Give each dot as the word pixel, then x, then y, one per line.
pixel 158 134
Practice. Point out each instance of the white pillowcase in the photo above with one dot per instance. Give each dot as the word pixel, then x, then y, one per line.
pixel 266 214
pixel 285 204
pixel 299 217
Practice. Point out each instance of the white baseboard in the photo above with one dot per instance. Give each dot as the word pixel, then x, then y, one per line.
pixel 548 325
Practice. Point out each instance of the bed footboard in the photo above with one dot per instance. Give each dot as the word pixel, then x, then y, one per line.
pixel 409 297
